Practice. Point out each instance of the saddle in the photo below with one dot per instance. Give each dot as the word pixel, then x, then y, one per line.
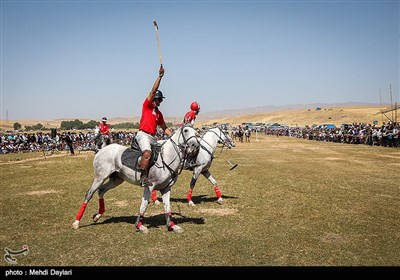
pixel 131 156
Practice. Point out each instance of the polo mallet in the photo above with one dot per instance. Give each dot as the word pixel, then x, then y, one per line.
pixel 158 41
pixel 233 166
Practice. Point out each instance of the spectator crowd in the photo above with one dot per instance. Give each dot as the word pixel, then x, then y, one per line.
pixel 19 142
pixel 386 135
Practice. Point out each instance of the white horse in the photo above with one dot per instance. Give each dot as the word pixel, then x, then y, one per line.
pixel 208 146
pixel 100 140
pixel 108 164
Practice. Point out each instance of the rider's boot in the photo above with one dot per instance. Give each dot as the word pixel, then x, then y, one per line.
pixel 144 165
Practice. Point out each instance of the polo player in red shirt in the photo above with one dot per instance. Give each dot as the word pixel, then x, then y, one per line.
pixel 190 116
pixel 104 130
pixel 150 119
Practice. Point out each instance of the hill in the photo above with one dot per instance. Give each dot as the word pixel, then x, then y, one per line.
pixel 301 117
pixel 292 117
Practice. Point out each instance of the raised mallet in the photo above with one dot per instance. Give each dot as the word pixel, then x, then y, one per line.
pixel 158 41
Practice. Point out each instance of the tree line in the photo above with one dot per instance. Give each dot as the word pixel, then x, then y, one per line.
pixel 79 125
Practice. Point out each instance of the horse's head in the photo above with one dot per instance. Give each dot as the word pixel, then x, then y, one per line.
pixel 224 138
pixel 186 139
pixel 96 133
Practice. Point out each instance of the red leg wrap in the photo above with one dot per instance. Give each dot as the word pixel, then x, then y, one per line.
pixel 217 191
pixel 154 195
pixel 139 223
pixel 189 194
pixel 171 222
pixel 81 211
pixel 102 207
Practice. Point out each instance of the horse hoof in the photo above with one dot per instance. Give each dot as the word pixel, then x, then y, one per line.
pixel 143 229
pixel 75 225
pixel 220 201
pixel 177 229
pixel 156 202
pixel 96 217
pixel 191 203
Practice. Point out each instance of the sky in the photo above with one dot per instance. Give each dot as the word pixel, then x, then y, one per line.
pixel 89 59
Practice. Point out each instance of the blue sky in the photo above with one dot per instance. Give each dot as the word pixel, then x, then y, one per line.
pixel 89 59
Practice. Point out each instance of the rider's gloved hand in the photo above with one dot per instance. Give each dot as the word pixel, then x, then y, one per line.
pixel 161 71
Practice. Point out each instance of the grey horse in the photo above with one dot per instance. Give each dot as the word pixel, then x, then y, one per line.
pixel 208 145
pixel 162 175
pixel 100 140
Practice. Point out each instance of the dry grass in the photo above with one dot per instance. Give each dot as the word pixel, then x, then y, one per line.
pixel 289 202
pixel 334 115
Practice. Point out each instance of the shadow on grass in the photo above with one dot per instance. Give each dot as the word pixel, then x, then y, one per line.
pixel 152 221
pixel 202 199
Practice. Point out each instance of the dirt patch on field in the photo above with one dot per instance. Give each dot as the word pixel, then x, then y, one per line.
pixel 391 156
pixel 121 203
pixel 42 158
pixel 218 212
pixel 42 192
pixel 332 158
pixel 333 238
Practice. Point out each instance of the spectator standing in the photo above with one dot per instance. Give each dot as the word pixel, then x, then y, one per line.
pixel 69 141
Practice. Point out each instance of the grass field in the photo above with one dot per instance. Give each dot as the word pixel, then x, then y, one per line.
pixel 290 202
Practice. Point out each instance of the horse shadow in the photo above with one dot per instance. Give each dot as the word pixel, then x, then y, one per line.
pixel 202 199
pixel 155 221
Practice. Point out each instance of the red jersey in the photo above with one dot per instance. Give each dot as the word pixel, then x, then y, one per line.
pixel 189 117
pixel 104 128
pixel 151 117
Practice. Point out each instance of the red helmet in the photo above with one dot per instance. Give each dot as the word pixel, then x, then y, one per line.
pixel 195 106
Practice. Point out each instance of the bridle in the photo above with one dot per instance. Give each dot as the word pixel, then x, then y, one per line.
pixel 225 141
pixel 179 148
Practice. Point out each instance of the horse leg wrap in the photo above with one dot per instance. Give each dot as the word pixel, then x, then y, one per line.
pixel 189 194
pixel 81 211
pixel 217 192
pixel 170 222
pixel 102 207
pixel 145 160
pixel 139 221
pixel 154 195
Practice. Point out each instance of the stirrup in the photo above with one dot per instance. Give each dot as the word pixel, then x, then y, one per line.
pixel 145 182
pixel 190 165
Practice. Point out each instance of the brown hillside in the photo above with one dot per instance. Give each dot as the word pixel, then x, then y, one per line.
pixel 334 115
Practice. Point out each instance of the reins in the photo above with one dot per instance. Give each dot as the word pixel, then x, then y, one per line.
pixel 219 137
pixel 178 149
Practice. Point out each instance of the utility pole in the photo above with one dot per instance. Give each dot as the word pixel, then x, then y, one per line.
pixel 391 101
pixel 380 98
